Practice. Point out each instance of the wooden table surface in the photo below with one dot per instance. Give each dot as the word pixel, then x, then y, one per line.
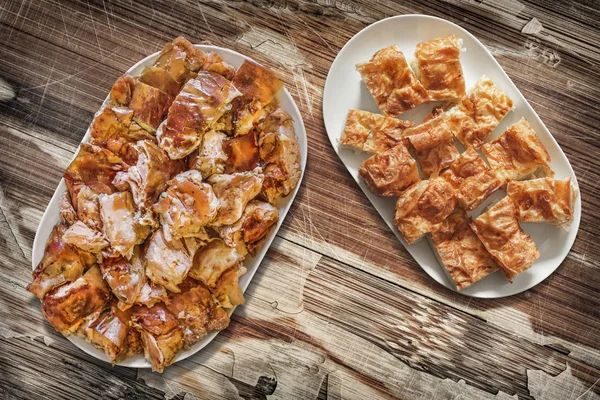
pixel 338 309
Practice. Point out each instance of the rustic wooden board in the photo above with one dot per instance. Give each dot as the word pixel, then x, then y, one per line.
pixel 338 309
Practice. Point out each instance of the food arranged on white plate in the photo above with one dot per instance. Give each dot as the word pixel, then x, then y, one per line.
pixel 435 184
pixel 178 186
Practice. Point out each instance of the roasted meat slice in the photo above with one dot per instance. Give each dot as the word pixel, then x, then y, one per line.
pixel 258 86
pixel 186 207
pixel 147 179
pixel 61 263
pixel 120 94
pixel 256 222
pixel 126 278
pixel 115 130
pixel 162 336
pixel 92 164
pixel 120 226
pixel 227 289
pixel 180 58
pixel 234 192
pixel 85 238
pixel 149 106
pixel 66 210
pixel 214 259
pixel 241 153
pixel 66 306
pixel 201 102
pixel 161 79
pixel 215 63
pixel 112 333
pixel 210 157
pixel 88 208
pixel 279 151
pixel 197 311
pixel 168 263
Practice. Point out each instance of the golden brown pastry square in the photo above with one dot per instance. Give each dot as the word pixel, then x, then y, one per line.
pixel 439 68
pixel 499 231
pixel 544 200
pixel 390 172
pixel 423 206
pixel 518 153
pixel 392 83
pixel 460 251
pixel 435 148
pixel 372 132
pixel 472 179
pixel 478 113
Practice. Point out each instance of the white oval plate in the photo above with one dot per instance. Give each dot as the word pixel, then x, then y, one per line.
pixel 51 215
pixel 344 90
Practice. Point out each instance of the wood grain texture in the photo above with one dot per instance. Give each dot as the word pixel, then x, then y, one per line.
pixel 338 309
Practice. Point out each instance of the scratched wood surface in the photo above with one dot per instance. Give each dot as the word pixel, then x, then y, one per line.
pixel 338 309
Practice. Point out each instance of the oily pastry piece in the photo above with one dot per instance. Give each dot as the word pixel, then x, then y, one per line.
pixel 258 219
pixel 421 207
pixel 149 106
pixel 121 91
pixel 186 206
pixel 151 293
pixel 112 333
pixel 472 179
pixel 439 69
pixel 161 79
pixel 115 130
pixel 390 172
pixel 120 226
pixel 393 85
pixel 373 132
pixel 167 263
pixel 201 102
pixel 460 251
pixel 241 153
pixel 147 178
pixel 213 259
pixel 499 231
pixel 258 86
pixel 227 289
pixel 234 191
pixel 85 238
pixel 543 200
pixel 215 63
pixel 126 278
pixel 91 164
pixel 197 311
pixel 478 113
pixel 181 59
pixel 66 210
pixel 210 158
pixel 87 205
pixel 161 334
pixel 66 306
pixel 435 148
pixel 518 153
pixel 280 154
pixel 61 263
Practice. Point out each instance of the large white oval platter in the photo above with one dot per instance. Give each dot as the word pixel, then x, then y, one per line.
pixel 344 90
pixel 51 215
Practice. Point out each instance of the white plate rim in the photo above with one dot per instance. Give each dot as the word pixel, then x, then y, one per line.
pixel 334 135
pixel 288 104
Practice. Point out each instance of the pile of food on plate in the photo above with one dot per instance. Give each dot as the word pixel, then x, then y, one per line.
pixel 434 201
pixel 178 184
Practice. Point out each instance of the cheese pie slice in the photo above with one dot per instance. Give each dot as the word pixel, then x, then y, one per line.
pixel 499 231
pixel 438 66
pixel 435 148
pixel 421 207
pixel 392 83
pixel 543 200
pixel 460 251
pixel 518 153
pixel 373 132
pixel 472 179
pixel 390 172
pixel 478 113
